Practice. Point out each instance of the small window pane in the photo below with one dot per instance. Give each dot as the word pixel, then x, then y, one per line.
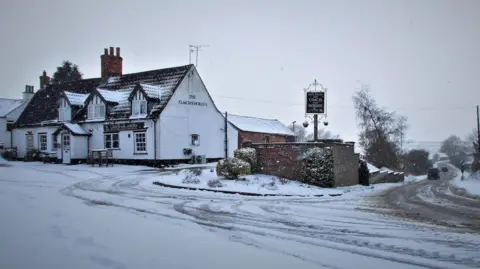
pixel 195 140
pixel 143 107
pixel 42 142
pixel 140 142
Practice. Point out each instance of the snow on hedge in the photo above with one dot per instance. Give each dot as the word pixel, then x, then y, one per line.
pixel 247 154
pixel 232 168
pixel 317 167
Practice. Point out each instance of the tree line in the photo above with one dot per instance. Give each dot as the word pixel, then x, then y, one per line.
pixel 383 134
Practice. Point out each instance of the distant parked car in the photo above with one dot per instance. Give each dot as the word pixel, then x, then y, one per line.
pixel 444 169
pixel 433 173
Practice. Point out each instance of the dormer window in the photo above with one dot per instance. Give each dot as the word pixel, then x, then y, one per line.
pixel 96 109
pixel 139 104
pixel 64 111
pixel 139 107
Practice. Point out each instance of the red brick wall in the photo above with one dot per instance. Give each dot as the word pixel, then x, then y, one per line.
pixel 111 64
pixel 284 160
pixel 259 138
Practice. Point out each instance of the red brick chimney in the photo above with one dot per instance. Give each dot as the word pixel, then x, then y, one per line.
pixel 111 64
pixel 44 80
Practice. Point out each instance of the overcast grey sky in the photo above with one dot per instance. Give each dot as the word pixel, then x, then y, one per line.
pixel 421 58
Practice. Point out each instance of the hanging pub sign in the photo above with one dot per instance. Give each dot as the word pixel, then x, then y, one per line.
pixel 127 126
pixel 315 103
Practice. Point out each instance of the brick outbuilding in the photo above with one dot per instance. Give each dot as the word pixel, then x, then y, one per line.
pixel 258 130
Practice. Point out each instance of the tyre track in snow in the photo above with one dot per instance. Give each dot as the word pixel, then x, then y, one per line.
pixel 246 219
pixel 433 202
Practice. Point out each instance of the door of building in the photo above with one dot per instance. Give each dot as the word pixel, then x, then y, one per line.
pixel 66 156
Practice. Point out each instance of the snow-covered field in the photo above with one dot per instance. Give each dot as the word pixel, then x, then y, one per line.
pixel 56 216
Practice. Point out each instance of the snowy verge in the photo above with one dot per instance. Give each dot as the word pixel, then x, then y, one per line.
pixel 3 162
pixel 186 166
pixel 412 178
pixel 257 184
pixel 470 183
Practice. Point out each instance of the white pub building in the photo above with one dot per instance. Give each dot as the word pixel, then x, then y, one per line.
pixel 157 116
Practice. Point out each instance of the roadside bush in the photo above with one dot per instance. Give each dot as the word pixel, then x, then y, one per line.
pixel 317 167
pixel 272 185
pixel 363 173
pixel 190 179
pixel 32 155
pixel 247 154
pixel 6 155
pixel 196 172
pixel 214 183
pixel 232 168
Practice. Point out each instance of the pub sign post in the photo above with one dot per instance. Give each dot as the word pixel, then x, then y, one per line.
pixel 315 104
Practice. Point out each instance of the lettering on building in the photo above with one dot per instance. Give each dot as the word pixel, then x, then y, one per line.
pixel 128 126
pixel 192 103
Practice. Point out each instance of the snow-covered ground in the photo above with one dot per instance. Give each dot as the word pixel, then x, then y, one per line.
pixel 258 184
pixel 470 183
pixel 56 216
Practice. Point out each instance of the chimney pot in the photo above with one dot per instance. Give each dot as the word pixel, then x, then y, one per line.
pixel 111 65
pixel 44 73
pixel 106 51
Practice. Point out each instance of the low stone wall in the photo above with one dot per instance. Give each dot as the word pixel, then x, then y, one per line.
pixel 284 159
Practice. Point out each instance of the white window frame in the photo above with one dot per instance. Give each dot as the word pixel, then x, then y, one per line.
pixel 29 138
pixel 139 107
pixel 54 143
pixel 112 140
pixel 42 144
pixel 96 111
pixel 195 138
pixel 137 140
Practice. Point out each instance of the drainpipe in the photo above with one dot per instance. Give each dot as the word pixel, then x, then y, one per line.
pixel 155 140
pixel 11 138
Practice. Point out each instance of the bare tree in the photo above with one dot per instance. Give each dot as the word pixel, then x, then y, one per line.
pixel 322 134
pixel 456 149
pixel 382 133
pixel 472 141
pixel 299 131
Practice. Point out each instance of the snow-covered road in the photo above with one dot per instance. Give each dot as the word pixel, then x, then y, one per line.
pixel 434 201
pixel 55 216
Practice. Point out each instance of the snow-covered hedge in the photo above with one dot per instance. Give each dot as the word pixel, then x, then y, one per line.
pixel 317 167
pixel 232 168
pixel 214 183
pixel 247 154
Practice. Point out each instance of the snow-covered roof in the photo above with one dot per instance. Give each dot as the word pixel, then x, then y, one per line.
pixel 372 168
pixel 76 129
pixel 154 91
pixel 388 170
pixel 115 96
pixel 8 105
pixel 76 99
pixel 258 125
